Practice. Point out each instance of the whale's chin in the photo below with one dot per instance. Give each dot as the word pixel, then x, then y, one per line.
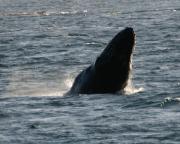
pixel 110 72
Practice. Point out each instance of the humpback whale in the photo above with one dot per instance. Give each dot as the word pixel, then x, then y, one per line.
pixel 111 70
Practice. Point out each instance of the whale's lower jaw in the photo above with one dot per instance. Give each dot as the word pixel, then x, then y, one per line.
pixel 110 73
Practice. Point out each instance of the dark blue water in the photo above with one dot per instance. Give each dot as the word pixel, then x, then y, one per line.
pixel 45 44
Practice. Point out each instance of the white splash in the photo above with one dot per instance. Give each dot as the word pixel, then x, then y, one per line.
pixel 68 82
pixel 130 89
pixel 59 90
pixel 48 93
pixel 26 83
pixel 170 98
pixel 178 99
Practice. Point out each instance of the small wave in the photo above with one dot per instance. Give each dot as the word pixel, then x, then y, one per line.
pixel 169 101
pixel 178 99
pixel 77 34
pixel 93 44
pixel 3 115
pixel 3 66
pixel 37 13
pixel 69 12
pixel 42 13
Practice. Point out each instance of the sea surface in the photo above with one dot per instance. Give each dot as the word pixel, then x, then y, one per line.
pixel 44 44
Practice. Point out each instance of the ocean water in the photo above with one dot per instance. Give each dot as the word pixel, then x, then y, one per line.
pixel 45 44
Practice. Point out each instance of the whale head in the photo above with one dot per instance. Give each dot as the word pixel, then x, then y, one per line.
pixel 114 63
pixel 110 72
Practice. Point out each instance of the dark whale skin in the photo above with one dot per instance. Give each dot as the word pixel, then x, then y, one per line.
pixel 110 72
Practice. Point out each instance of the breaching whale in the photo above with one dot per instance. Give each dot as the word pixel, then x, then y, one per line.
pixel 111 70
